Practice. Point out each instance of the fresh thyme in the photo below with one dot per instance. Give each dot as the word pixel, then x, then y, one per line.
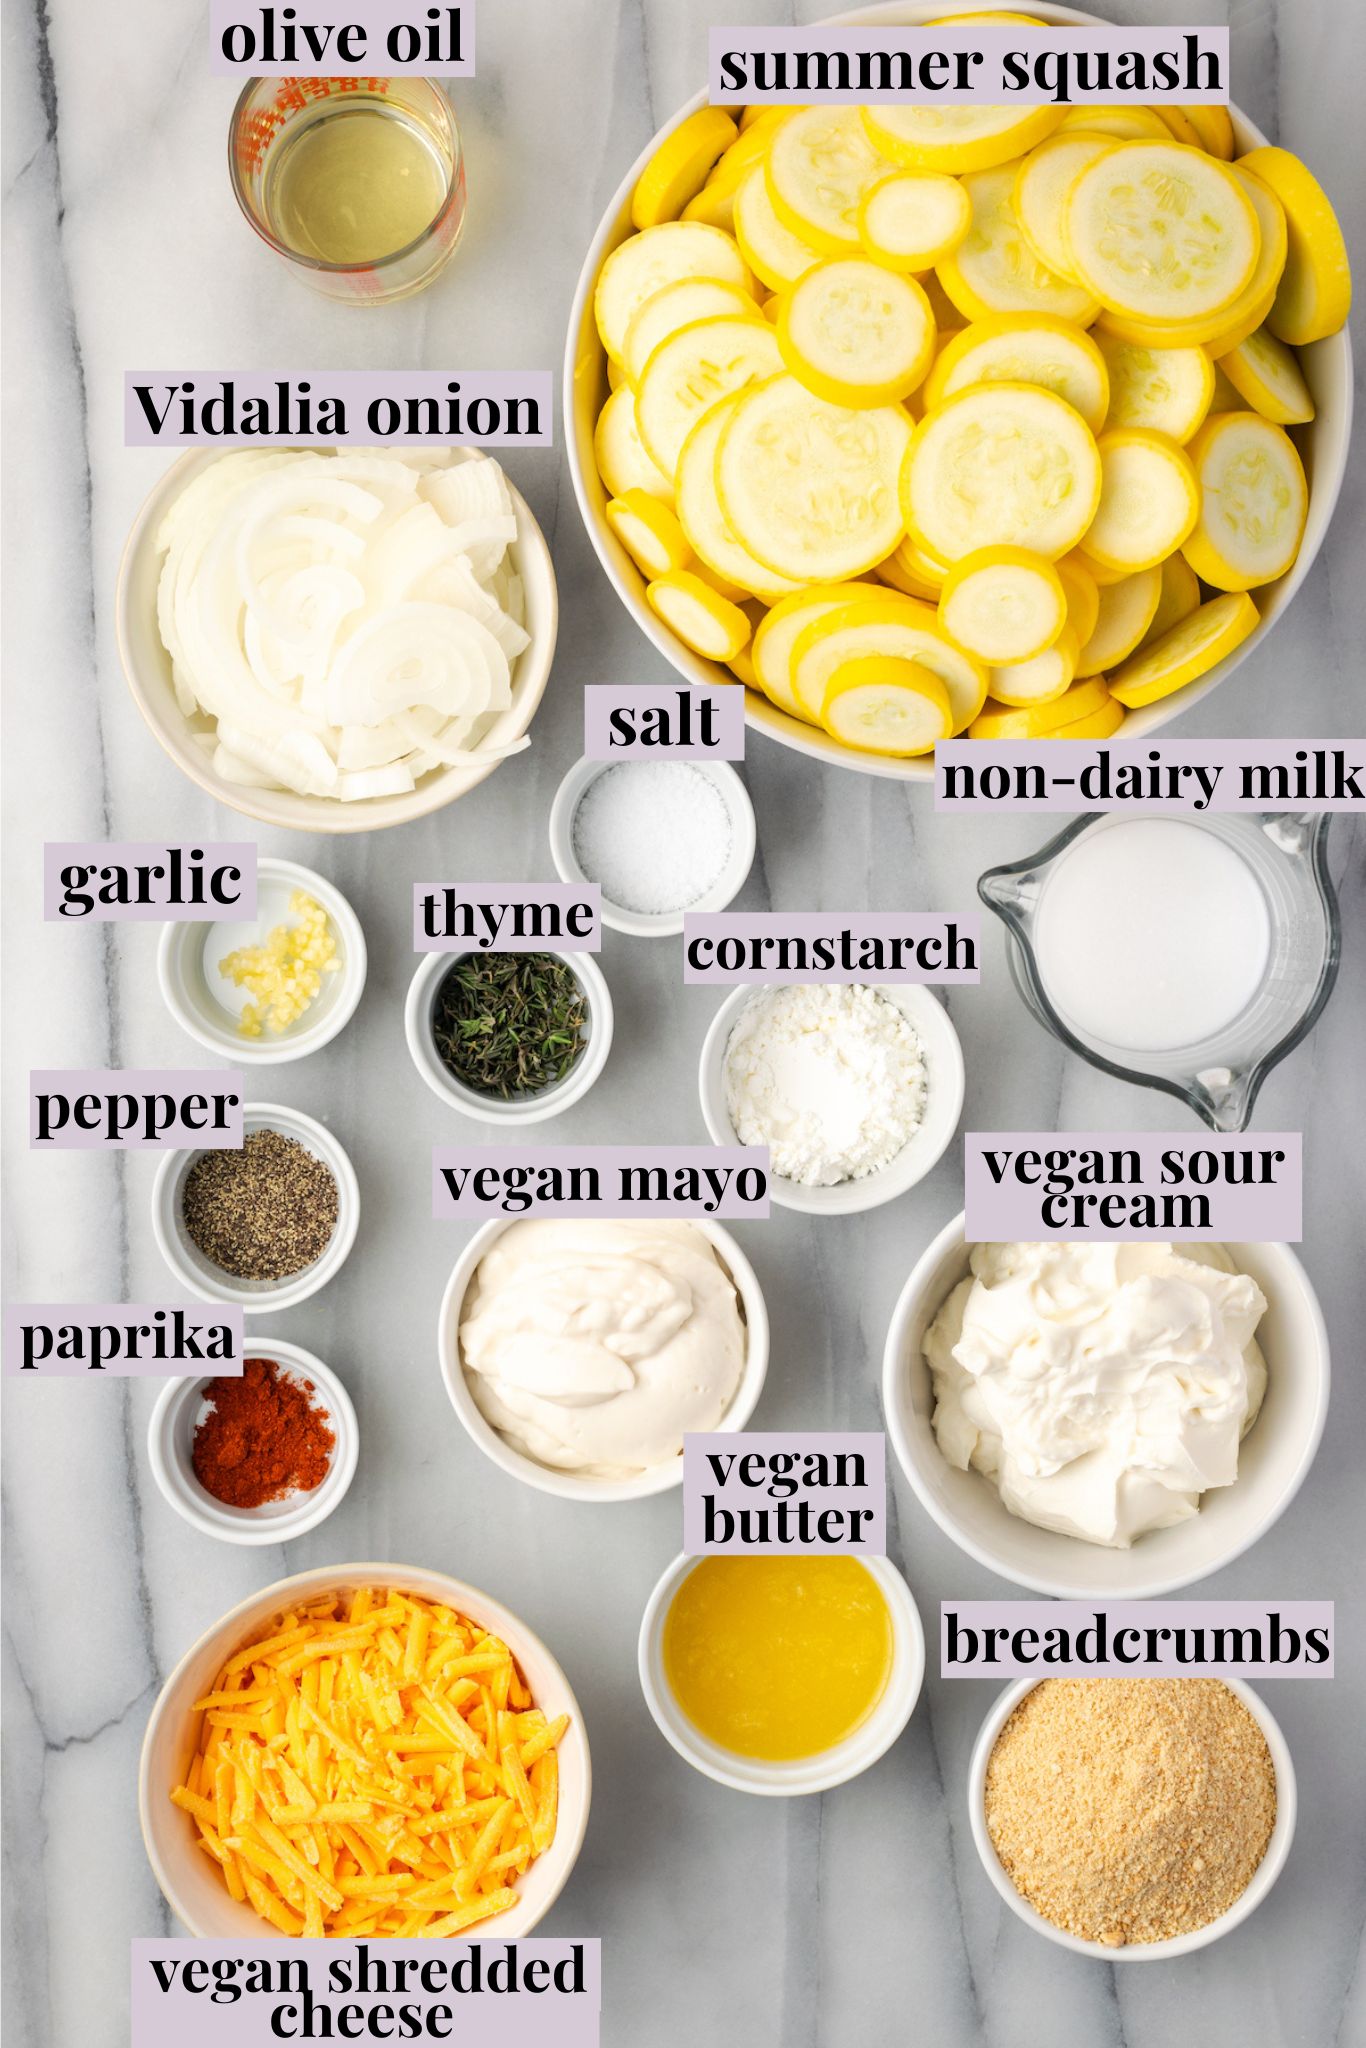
pixel 510 1024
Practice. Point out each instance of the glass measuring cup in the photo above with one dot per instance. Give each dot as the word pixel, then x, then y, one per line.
pixel 273 116
pixel 1220 1076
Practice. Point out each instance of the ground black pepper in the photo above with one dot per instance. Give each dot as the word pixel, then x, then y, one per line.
pixel 263 1213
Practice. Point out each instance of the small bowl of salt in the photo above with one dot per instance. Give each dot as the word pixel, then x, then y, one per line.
pixel 660 838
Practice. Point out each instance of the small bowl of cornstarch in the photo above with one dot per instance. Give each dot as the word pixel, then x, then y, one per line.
pixel 855 1088
pixel 660 839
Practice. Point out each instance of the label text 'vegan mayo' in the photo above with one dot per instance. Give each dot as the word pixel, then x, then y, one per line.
pixel 594 1346
pixel 1100 1387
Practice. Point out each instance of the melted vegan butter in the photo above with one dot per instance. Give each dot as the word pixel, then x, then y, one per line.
pixel 355 185
pixel 778 1657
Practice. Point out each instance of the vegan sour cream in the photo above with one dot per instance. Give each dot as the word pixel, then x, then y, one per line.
pixel 594 1346
pixel 1102 1388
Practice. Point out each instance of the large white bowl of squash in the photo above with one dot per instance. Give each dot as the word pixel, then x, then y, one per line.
pixel 871 410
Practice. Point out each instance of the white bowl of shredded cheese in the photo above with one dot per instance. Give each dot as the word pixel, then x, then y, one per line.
pixel 864 1112
pixel 191 1882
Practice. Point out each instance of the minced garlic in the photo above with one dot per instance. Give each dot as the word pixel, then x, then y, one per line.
pixel 284 975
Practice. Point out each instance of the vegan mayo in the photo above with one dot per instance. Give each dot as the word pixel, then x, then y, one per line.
pixel 593 1346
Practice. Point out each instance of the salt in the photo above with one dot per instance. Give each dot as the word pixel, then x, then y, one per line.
pixel 654 835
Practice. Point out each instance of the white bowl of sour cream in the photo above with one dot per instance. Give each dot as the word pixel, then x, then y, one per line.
pixel 1273 1457
pixel 632 1318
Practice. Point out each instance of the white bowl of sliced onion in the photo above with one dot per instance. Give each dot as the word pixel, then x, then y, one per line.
pixel 337 640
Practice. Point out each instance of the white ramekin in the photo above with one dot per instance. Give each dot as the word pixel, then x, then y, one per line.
pixel 1272 1462
pixel 1324 445
pixel 578 1485
pixel 170 1443
pixel 829 1767
pixel 489 1109
pixel 256 1297
pixel 191 1885
pixel 918 1157
pixel 664 924
pixel 147 668
pixel 1265 1875
pixel 188 989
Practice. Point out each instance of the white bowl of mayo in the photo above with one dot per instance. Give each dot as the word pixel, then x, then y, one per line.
pixel 1272 1458
pixel 578 1352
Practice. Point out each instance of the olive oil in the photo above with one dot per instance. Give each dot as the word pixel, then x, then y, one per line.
pixel 355 183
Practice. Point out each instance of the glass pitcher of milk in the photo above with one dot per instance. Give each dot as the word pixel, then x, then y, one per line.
pixel 1181 953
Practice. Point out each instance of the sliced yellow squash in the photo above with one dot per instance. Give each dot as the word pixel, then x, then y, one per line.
pixel 1001 465
pixel 1167 390
pixel 1126 612
pixel 678 169
pixel 679 305
pixel 958 139
pixel 708 530
pixel 885 625
pixel 1179 597
pixel 1004 605
pixel 1188 651
pixel 1149 501
pixel 690 371
pixel 885 704
pixel 1253 502
pixel 620 454
pixel 649 532
pixel 1267 376
pixel 645 263
pixel 810 488
pixel 1034 721
pixel 913 219
pixel 775 255
pixel 1039 195
pixel 1315 292
pixel 1024 348
pixel 1041 679
pixel 819 165
pixel 703 620
pixel 994 269
pixel 856 333
pixel 1161 232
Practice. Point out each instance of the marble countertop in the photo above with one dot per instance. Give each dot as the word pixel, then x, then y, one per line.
pixel 818 1923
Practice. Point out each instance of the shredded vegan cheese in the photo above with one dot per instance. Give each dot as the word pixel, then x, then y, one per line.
pixel 285 974
pixel 373 1764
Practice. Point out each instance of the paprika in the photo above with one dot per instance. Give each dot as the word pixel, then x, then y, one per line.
pixel 262 1437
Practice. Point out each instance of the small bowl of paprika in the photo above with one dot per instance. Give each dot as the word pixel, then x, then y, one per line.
pixel 260 1458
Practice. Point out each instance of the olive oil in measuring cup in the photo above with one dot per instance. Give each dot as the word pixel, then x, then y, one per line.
pixel 355 181
pixel 359 187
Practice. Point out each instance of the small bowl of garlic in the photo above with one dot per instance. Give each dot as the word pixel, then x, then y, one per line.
pixel 272 987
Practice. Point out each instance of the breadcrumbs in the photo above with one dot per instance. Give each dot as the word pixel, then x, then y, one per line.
pixel 1130 1809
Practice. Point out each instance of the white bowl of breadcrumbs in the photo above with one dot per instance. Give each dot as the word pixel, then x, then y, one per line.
pixel 1132 1819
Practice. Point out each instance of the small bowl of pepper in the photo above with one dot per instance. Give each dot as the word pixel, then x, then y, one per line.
pixel 509 1038
pixel 260 1458
pixel 264 1224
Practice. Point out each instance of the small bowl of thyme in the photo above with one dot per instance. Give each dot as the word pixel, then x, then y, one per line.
pixel 263 1225
pixel 509 1038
